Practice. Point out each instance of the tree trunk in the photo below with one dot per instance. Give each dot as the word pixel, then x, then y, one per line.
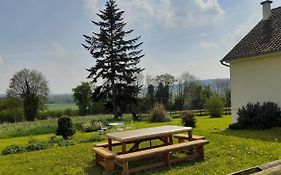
pixel 114 104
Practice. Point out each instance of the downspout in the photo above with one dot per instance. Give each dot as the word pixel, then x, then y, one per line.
pixel 227 65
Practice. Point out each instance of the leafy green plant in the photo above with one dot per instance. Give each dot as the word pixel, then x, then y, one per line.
pixel 188 119
pixel 158 113
pixel 214 106
pixel 36 145
pixel 96 138
pixel 66 143
pixel 65 127
pixel 257 116
pixel 13 149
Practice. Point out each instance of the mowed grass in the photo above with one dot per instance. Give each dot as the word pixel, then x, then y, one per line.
pixel 61 106
pixel 228 151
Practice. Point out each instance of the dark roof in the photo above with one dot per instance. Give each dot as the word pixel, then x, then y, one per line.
pixel 264 38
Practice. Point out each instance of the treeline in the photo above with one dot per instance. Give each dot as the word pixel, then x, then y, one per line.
pixel 185 92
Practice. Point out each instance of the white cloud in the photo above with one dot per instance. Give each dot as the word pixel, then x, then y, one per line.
pixel 210 6
pixel 168 13
pixel 207 46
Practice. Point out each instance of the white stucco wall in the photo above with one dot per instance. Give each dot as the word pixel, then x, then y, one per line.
pixel 255 79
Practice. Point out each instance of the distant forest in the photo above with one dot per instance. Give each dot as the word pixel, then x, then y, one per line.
pixel 68 98
pixel 60 98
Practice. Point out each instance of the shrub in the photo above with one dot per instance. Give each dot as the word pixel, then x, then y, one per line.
pixel 60 142
pixel 95 138
pixel 36 145
pixel 188 119
pixel 66 143
pixel 13 149
pixel 87 127
pixel 136 117
pixel 235 126
pixel 70 112
pixel 65 127
pixel 257 116
pixel 214 106
pixel 158 113
pixel 91 126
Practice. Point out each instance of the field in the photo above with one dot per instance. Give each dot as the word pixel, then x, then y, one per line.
pixel 61 106
pixel 227 152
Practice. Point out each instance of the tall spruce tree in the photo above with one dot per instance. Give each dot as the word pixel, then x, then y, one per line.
pixel 116 60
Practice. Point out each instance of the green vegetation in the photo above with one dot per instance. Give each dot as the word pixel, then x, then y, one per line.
pixel 258 116
pixel 38 127
pixel 188 119
pixel 61 106
pixel 65 127
pixel 239 148
pixel 117 57
pixel 158 113
pixel 214 106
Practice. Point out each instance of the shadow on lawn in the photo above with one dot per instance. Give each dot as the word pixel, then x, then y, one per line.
pixel 273 135
pixel 97 170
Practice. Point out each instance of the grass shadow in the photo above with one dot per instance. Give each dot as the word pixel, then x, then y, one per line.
pixel 273 135
pixel 97 170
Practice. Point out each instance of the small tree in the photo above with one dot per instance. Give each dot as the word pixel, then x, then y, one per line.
pixel 188 119
pixel 82 97
pixel 214 106
pixel 32 87
pixel 65 127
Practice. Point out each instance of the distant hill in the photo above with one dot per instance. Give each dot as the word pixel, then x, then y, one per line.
pixel 60 98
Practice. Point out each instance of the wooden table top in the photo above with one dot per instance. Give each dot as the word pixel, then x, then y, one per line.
pixel 146 133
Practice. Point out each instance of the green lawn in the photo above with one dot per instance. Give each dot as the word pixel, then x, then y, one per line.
pixel 227 152
pixel 61 106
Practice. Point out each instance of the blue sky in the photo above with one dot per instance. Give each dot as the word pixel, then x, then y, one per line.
pixel 178 36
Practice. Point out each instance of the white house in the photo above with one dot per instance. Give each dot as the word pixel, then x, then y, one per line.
pixel 255 63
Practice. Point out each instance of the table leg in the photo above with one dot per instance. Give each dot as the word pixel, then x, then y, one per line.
pixel 170 139
pixel 190 135
pixel 124 148
pixel 110 144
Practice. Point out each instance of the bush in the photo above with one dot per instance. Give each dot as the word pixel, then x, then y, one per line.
pixel 36 145
pixel 11 110
pixel 65 127
pixel 70 112
pixel 214 106
pixel 13 149
pixel 188 119
pixel 235 126
pixel 96 138
pixel 91 126
pixel 257 116
pixel 158 113
pixel 66 143
pixel 60 142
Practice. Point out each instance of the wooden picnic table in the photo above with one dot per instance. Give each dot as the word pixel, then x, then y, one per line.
pixel 135 137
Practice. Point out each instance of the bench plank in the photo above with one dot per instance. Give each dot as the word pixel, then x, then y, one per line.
pixel 104 152
pixel 182 137
pixel 159 150
pixel 165 151
pixel 104 158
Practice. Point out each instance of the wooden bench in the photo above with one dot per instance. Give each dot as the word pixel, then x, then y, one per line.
pixel 182 137
pixel 105 145
pixel 196 147
pixel 105 158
